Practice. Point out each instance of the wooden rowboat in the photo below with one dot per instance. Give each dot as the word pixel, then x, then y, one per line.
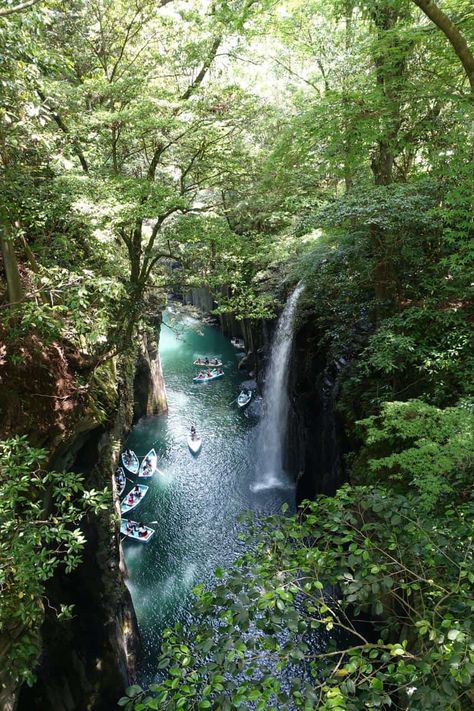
pixel 130 501
pixel 133 534
pixel 131 464
pixel 207 378
pixel 244 398
pixel 194 443
pixel 148 466
pixel 120 481
pixel 212 363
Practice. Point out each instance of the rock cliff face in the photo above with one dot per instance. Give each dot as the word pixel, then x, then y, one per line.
pixel 201 298
pixel 315 440
pixel 315 434
pixel 87 662
pixel 149 385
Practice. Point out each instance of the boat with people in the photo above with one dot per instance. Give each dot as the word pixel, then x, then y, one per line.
pixel 148 466
pixel 237 342
pixel 203 377
pixel 208 362
pixel 244 398
pixel 120 481
pixel 136 531
pixel 130 461
pixel 133 498
pixel 194 441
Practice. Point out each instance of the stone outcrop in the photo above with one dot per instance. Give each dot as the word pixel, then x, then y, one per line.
pixel 201 298
pixel 149 385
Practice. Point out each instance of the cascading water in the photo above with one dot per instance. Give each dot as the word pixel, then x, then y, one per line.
pixel 272 429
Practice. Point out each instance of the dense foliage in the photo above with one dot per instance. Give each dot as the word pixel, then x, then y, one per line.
pixel 362 600
pixel 160 145
pixel 40 511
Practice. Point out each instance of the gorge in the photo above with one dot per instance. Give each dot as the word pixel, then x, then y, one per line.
pixel 172 173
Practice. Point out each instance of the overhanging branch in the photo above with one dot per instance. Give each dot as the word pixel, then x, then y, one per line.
pixel 17 8
pixel 453 35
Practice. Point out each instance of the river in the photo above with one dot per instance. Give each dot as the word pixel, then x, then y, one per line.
pixel 197 500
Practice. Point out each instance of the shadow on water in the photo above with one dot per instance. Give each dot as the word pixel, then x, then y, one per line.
pixel 196 500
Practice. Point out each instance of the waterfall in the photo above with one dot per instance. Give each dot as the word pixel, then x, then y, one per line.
pixel 272 428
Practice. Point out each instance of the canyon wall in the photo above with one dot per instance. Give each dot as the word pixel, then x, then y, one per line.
pixel 86 662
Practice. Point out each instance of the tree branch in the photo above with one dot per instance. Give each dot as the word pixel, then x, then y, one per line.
pixel 204 69
pixel 58 120
pixel 453 35
pixel 17 8
pixel 184 97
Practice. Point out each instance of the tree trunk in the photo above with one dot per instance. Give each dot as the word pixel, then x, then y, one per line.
pixel 390 62
pixel 348 179
pixel 382 163
pixel 15 287
pixel 453 35
pixel 389 57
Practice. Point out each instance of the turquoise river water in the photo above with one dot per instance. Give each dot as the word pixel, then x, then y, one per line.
pixel 195 503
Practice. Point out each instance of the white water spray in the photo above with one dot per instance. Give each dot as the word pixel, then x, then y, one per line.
pixel 272 429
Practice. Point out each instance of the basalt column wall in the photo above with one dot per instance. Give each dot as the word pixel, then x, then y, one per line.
pixel 316 442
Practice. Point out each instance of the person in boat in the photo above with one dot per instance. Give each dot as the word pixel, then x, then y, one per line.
pixel 206 361
pixel 194 434
pixel 130 527
pixel 219 371
pixel 136 491
pixel 214 361
pixel 208 374
pixel 142 532
pixel 131 498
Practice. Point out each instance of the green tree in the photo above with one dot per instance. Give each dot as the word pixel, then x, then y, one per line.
pixel 282 629
pixel 40 514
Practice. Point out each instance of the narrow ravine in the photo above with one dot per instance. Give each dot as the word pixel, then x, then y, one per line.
pixel 196 502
